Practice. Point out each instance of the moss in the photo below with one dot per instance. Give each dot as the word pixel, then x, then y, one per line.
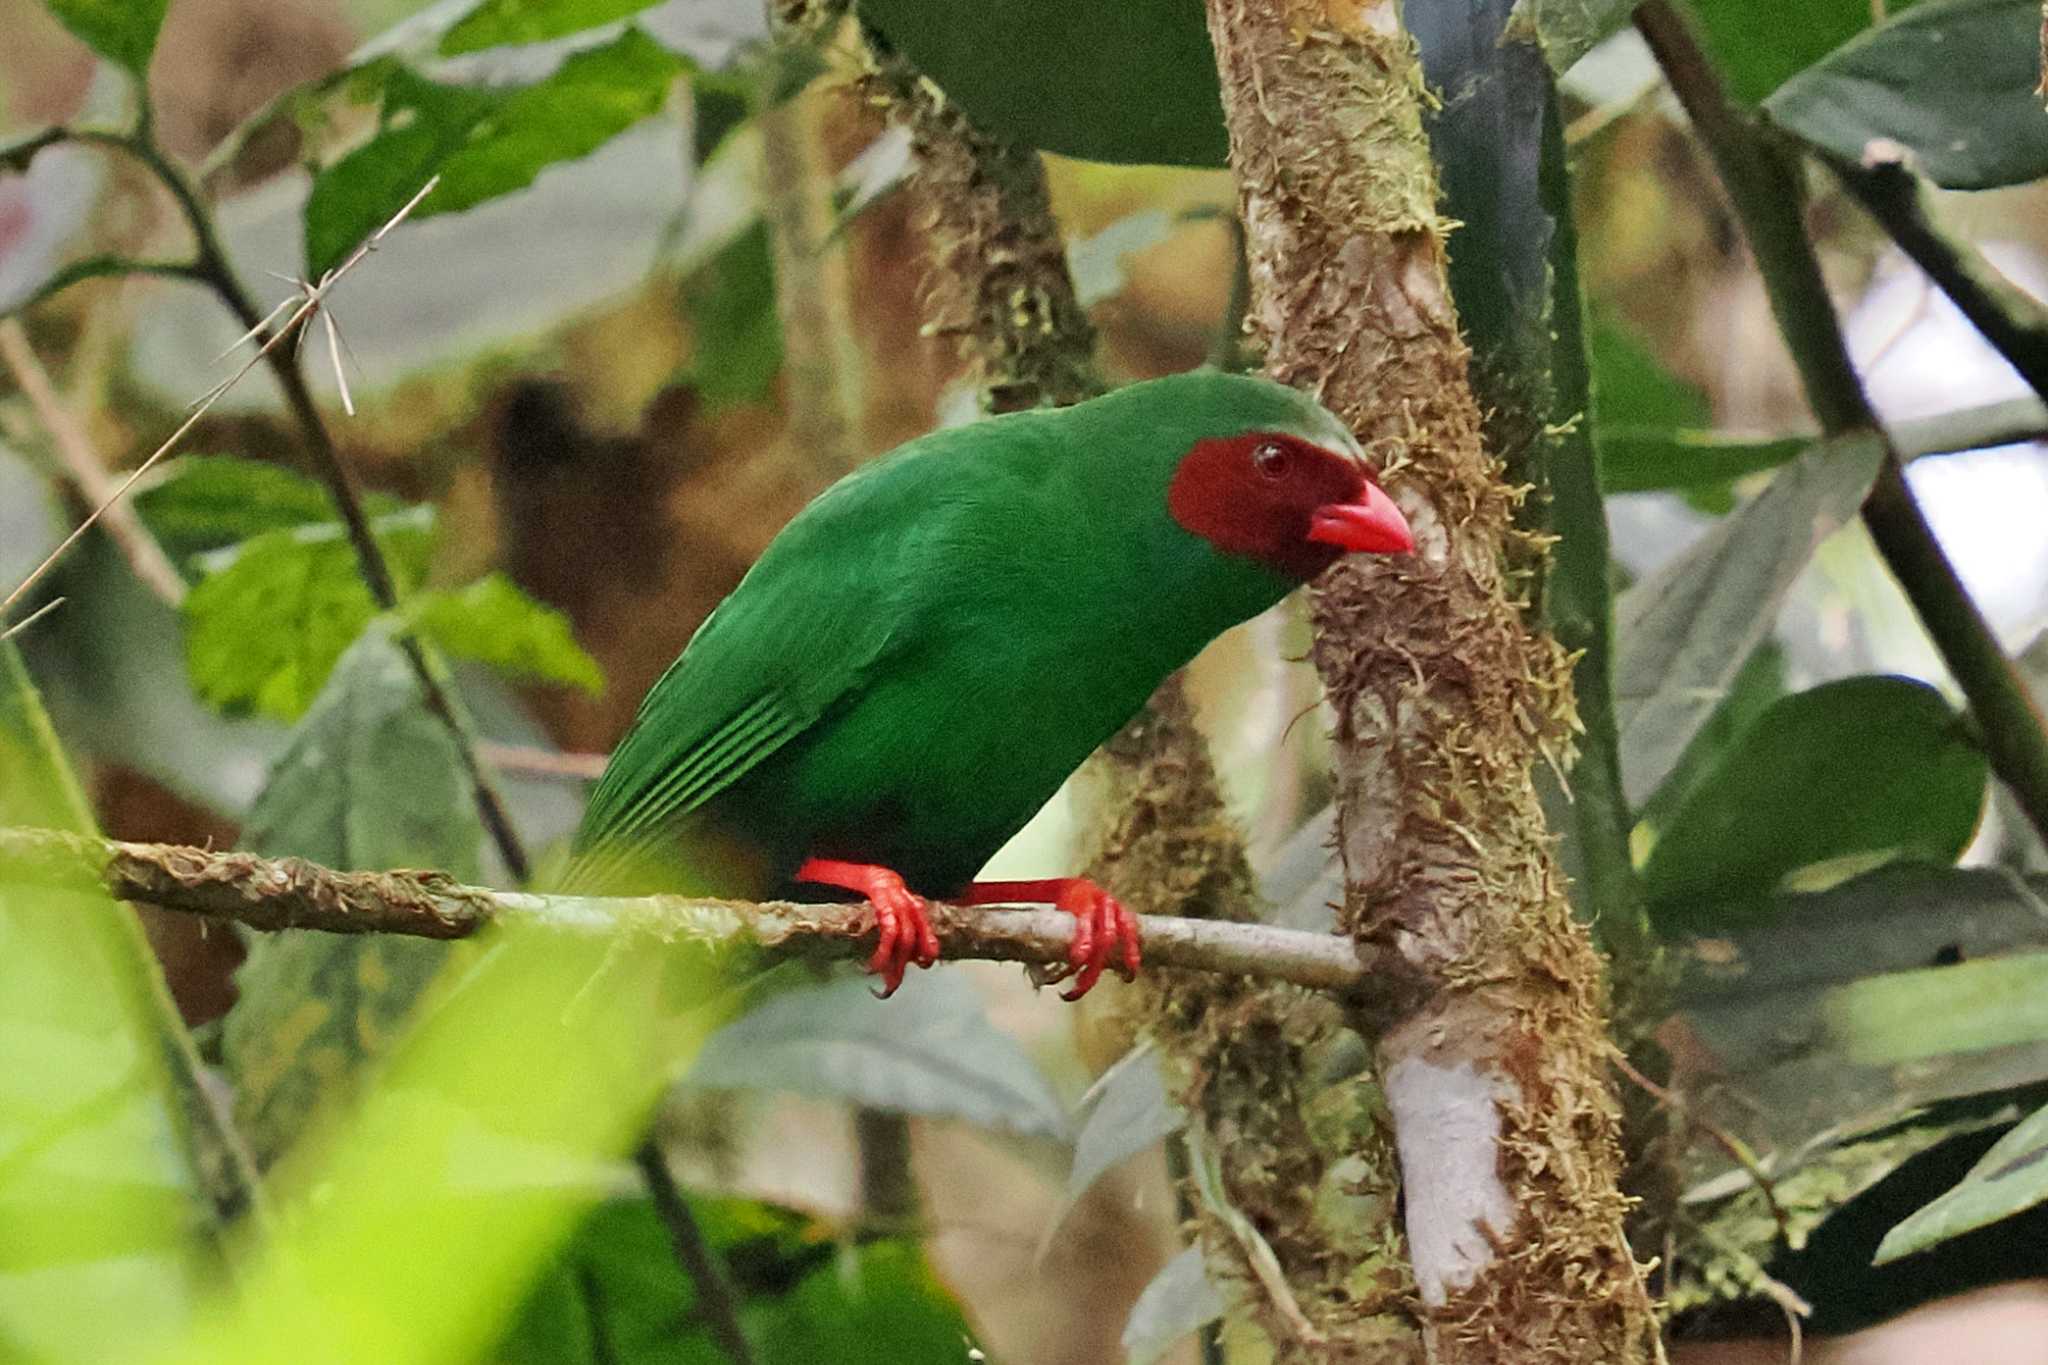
pixel 1446 698
pixel 999 284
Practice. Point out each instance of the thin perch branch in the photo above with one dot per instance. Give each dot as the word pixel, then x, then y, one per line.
pixel 100 268
pixel 291 893
pixel 531 762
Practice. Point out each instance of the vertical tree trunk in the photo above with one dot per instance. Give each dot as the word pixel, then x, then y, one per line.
pixel 1493 1054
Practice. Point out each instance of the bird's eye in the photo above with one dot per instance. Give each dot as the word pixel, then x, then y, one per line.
pixel 1270 459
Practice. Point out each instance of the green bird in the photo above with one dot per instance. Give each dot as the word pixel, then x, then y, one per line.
pixel 930 647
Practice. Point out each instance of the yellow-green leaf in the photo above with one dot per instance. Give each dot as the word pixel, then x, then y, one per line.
pixel 495 623
pixel 263 630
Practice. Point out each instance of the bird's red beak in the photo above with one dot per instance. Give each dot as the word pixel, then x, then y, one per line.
pixel 1371 525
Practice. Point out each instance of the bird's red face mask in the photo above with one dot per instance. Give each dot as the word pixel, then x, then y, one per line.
pixel 1287 502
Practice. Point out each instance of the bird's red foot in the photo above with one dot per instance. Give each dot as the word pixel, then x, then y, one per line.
pixel 1103 929
pixel 905 932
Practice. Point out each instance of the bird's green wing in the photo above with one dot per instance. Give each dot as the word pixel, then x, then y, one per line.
pixel 766 667
pixel 853 582
pixel 797 638
pixel 671 771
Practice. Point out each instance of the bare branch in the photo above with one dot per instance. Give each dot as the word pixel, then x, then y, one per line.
pixel 1764 193
pixel 291 893
pixel 209 261
pixel 38 614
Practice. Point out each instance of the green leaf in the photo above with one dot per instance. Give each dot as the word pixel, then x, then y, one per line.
pixel 122 31
pixel 1758 44
pixel 1687 630
pixel 591 98
pixel 1832 1048
pixel 806 1292
pixel 483 143
pixel 723 101
pixel 1646 460
pixel 1632 388
pixel 499 23
pixel 1962 1007
pixel 1128 1111
pixel 370 781
pixel 408 1235
pixel 731 303
pixel 1822 1033
pixel 1181 1299
pixel 931 1051
pixel 1637 396
pixel 1870 769
pixel 208 502
pixel 1131 82
pixel 884 1308
pixel 616 1295
pixel 421 126
pixel 1757 686
pixel 1787 1003
pixel 2010 1178
pixel 102 1200
pixel 264 630
pixel 495 623
pixel 1658 455
pixel 1901 82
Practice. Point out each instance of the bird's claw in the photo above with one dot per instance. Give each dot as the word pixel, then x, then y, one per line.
pixel 1103 930
pixel 903 931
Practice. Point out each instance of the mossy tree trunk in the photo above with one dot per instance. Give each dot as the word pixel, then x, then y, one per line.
pixel 1494 1051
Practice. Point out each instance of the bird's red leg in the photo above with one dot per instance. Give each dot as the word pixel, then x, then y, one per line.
pixel 904 932
pixel 1102 927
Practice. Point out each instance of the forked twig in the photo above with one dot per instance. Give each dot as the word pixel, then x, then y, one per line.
pixel 308 302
